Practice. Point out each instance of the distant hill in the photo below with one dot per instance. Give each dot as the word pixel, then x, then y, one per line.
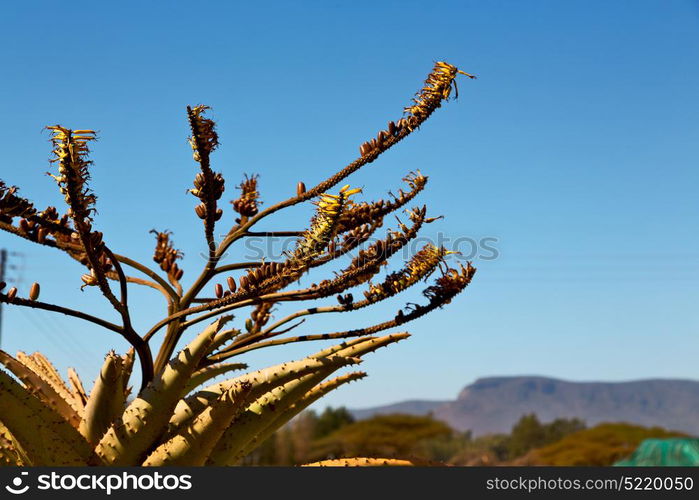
pixel 494 404
pixel 411 407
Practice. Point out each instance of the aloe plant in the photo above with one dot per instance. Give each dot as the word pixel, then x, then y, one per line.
pixel 179 415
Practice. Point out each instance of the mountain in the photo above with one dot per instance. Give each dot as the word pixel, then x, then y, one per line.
pixel 411 407
pixel 494 404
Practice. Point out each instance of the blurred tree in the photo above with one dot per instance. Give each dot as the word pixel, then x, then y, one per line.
pixel 383 435
pixel 601 445
pixel 529 433
pixel 526 434
pixel 302 431
pixel 331 420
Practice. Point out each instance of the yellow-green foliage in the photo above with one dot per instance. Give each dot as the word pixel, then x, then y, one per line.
pixel 601 445
pixel 383 436
pixel 170 420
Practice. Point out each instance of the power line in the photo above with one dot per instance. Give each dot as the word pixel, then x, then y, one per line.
pixel 40 328
pixel 60 326
pixel 39 319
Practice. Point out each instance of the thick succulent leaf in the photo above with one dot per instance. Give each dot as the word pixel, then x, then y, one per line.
pixel 77 388
pixel 222 336
pixel 38 363
pixel 106 401
pixel 308 399
pixel 262 381
pixel 144 421
pixel 43 434
pixel 8 455
pixel 357 348
pixel 40 387
pixel 10 451
pixel 338 347
pixel 193 444
pixel 203 375
pixel 48 369
pixel 362 462
pixel 371 345
pixel 127 368
pixel 260 414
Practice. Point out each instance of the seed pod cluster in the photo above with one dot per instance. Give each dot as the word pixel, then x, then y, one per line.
pixel 446 287
pixel 12 205
pixel 256 277
pixel 206 190
pixel 345 300
pixel 31 230
pixel 166 255
pixel 261 315
pixel 95 240
pixel 105 266
pixel 369 261
pixel 56 225
pixel 362 213
pixel 355 237
pixel 348 242
pixel 452 282
pixel 381 250
pixel 384 138
pixel 247 204
pixel 419 267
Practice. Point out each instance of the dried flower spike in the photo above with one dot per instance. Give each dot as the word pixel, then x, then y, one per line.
pixel 247 204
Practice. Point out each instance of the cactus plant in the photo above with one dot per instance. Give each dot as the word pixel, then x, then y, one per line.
pixel 171 419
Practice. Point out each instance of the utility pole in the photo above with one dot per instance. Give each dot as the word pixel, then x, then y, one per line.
pixel 3 263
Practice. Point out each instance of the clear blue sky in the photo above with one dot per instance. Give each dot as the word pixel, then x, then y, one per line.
pixel 576 147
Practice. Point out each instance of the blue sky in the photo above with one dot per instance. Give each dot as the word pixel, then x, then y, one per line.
pixel 576 148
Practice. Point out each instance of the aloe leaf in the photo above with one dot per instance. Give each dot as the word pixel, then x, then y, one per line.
pixel 43 367
pixel 145 420
pixel 203 375
pixel 262 413
pixel 308 399
pixel 43 434
pixel 262 381
pixel 76 387
pixel 193 443
pixel 371 344
pixel 362 462
pixel 106 401
pixel 11 453
pixel 40 387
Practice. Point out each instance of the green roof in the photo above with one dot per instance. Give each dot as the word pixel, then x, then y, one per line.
pixel 674 451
